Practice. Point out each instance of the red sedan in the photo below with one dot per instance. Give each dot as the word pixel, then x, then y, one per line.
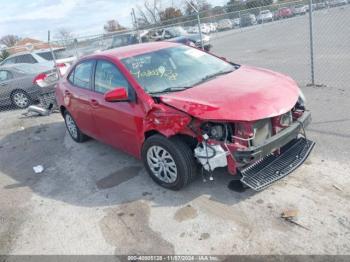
pixel 180 109
pixel 284 12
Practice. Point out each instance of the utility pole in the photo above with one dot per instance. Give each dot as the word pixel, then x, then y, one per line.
pixel 198 21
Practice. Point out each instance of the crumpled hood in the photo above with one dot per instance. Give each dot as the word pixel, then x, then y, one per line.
pixel 247 94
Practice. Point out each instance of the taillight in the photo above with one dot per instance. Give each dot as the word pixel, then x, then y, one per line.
pixel 61 65
pixel 39 77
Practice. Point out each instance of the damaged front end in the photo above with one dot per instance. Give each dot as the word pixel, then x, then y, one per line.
pixel 259 152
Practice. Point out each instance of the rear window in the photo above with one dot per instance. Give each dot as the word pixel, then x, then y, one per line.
pixel 59 54
pixel 27 59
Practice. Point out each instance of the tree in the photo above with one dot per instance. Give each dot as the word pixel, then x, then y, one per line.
pixel 64 35
pixel 9 40
pixel 149 13
pixel 4 54
pixel 113 26
pixel 258 3
pixel 200 5
pixel 170 13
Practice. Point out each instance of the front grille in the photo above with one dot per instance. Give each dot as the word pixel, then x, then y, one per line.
pixel 274 167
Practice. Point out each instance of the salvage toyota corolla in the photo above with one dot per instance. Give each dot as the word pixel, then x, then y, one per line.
pixel 182 110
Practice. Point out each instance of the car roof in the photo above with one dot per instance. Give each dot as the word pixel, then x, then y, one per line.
pixel 38 51
pixel 133 50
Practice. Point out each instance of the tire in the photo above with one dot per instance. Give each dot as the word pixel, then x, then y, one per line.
pixel 73 129
pixel 176 153
pixel 20 99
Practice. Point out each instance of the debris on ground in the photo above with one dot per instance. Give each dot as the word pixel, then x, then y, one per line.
pixel 38 169
pixel 290 215
pixel 338 188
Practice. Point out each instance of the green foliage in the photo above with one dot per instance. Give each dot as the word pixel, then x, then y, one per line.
pixel 258 3
pixel 3 55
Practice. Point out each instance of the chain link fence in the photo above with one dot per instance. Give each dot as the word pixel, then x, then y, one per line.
pixel 275 36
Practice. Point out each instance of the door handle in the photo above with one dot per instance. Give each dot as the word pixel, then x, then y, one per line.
pixel 94 102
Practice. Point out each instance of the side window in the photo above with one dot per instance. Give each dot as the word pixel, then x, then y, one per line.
pixel 9 61
pixel 28 59
pixel 5 75
pixel 82 74
pixel 108 77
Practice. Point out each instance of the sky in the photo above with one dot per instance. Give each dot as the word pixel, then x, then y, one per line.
pixel 33 18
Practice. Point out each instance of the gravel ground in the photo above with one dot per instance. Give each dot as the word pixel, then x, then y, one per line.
pixel 92 199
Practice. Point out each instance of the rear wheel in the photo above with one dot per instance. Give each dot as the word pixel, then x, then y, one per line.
pixel 20 99
pixel 73 129
pixel 169 162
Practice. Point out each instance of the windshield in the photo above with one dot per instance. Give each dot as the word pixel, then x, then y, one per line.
pixel 174 68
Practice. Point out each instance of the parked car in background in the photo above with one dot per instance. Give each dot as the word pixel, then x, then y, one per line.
pixel 193 41
pixel 333 3
pixel 300 9
pixel 236 22
pixel 321 5
pixel 284 12
pixel 180 110
pixel 179 35
pixel 265 16
pixel 248 19
pixel 213 27
pixel 21 84
pixel 225 24
pixel 44 58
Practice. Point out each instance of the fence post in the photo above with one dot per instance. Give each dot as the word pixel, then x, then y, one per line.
pixel 200 30
pixel 198 21
pixel 311 43
pixel 53 54
pixel 136 24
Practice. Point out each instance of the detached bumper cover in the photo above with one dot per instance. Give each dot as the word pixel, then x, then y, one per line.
pixel 274 167
pixel 255 153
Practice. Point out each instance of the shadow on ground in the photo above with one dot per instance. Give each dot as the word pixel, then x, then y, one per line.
pixel 93 174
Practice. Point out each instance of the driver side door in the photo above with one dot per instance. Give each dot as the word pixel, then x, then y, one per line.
pixel 117 122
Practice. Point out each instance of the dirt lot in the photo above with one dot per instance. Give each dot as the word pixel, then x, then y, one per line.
pixel 92 199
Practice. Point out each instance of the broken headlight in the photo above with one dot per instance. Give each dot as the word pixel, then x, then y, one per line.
pixel 215 131
pixel 301 100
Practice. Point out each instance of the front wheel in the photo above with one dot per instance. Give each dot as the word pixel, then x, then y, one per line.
pixel 169 162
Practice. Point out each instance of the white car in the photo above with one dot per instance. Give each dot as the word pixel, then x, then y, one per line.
pixel 300 9
pixel 225 24
pixel 236 22
pixel 265 16
pixel 213 27
pixel 205 28
pixel 44 58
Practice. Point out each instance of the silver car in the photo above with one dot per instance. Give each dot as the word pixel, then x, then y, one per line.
pixel 22 84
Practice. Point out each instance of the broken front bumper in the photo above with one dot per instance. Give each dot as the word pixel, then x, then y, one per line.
pixel 274 167
pixel 254 153
pixel 269 167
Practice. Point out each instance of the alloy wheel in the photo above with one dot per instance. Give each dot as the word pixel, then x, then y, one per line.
pixel 162 164
pixel 71 126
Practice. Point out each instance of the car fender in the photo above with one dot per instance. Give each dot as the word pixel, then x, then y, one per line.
pixel 167 121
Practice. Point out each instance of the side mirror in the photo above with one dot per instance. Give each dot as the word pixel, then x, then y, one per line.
pixel 117 95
